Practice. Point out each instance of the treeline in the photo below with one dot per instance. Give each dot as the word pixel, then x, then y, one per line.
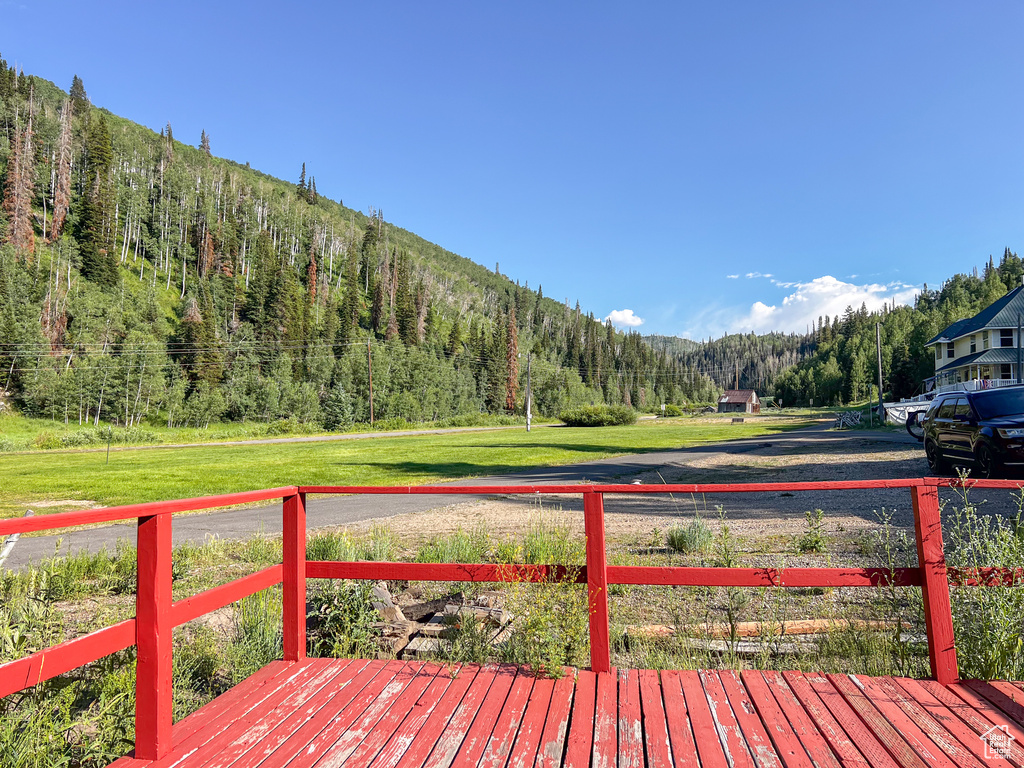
pixel 844 367
pixel 145 279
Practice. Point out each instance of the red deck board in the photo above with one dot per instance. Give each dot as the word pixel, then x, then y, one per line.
pixel 334 713
pixel 979 715
pixel 333 725
pixel 499 746
pixel 630 726
pixel 605 749
pixel 381 733
pixel 581 728
pixel 811 739
pixel 866 742
pixel 779 729
pixel 524 750
pixel 728 728
pixel 556 727
pixel 932 728
pixel 959 728
pixel 758 741
pixel 891 737
pixel 988 709
pixel 435 697
pixel 246 734
pixel 479 733
pixel 356 734
pixel 470 677
pixel 710 748
pixel 248 710
pixel 304 719
pixel 346 689
pixel 1004 696
pixel 447 745
pixel 680 728
pixel 655 725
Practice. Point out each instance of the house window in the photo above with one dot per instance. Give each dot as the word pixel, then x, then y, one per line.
pixel 1005 372
pixel 949 350
pixel 974 344
pixel 938 352
pixel 1006 338
pixel 984 339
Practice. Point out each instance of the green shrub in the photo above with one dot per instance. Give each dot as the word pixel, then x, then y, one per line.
pixel 598 416
pixel 671 409
pixel 7 445
pixel 341 618
pixel 693 538
pixel 258 636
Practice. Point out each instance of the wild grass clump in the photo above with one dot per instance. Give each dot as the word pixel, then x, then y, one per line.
pixel 462 546
pixel 598 416
pixel 548 541
pixel 987 619
pixel 693 538
pixel 257 634
pixel 813 540
pixel 341 546
pixel 551 625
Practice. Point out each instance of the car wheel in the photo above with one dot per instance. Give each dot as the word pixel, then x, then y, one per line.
pixel 936 463
pixel 985 464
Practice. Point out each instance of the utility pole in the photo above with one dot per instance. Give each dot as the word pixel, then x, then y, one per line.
pixel 878 345
pixel 737 374
pixel 529 394
pixel 1020 378
pixel 369 368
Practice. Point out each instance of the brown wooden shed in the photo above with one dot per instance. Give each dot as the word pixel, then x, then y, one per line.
pixel 739 401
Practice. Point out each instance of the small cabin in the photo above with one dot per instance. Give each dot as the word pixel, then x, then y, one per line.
pixel 739 401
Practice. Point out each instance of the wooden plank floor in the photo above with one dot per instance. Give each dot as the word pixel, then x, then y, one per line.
pixel 334 713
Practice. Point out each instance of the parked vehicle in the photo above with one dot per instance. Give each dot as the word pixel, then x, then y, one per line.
pixel 982 430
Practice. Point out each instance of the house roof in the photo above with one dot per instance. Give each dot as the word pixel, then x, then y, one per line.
pixel 738 396
pixel 1001 313
pixel 985 357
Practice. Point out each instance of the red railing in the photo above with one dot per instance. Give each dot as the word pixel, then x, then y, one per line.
pixel 157 614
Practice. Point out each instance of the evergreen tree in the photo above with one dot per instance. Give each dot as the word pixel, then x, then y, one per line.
pixel 204 143
pixel 96 226
pixel 79 100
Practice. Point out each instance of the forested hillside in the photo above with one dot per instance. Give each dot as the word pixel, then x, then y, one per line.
pixel 144 279
pixel 844 366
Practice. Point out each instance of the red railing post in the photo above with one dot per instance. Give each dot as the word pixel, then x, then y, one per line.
pixel 294 577
pixel 938 614
pixel 597 581
pixel 153 636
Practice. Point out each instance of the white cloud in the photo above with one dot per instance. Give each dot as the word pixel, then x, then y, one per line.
pixel 821 296
pixel 624 318
pixel 751 275
pixel 732 277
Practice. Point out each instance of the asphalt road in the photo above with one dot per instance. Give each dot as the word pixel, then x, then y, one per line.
pixel 342 510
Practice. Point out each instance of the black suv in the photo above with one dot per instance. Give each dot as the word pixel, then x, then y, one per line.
pixel 983 429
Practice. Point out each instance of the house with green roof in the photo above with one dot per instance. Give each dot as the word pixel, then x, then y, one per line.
pixel 981 351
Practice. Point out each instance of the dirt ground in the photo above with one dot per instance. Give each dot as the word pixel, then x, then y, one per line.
pixel 759 518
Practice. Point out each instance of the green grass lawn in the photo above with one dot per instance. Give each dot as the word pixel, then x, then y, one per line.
pixel 150 475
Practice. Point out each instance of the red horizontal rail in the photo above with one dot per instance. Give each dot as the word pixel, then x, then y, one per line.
pixel 58 659
pixel 986 577
pixel 214 599
pixel 763 577
pixel 134 511
pixel 484 572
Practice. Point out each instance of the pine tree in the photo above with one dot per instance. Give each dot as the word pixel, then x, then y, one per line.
pixel 62 181
pixel 79 100
pixel 204 143
pixel 300 188
pixel 96 230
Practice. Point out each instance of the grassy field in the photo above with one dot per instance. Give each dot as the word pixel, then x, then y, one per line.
pixel 134 476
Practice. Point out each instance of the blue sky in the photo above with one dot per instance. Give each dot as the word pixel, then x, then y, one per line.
pixel 704 167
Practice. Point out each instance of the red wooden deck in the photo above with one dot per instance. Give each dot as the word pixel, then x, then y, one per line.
pixel 389 714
